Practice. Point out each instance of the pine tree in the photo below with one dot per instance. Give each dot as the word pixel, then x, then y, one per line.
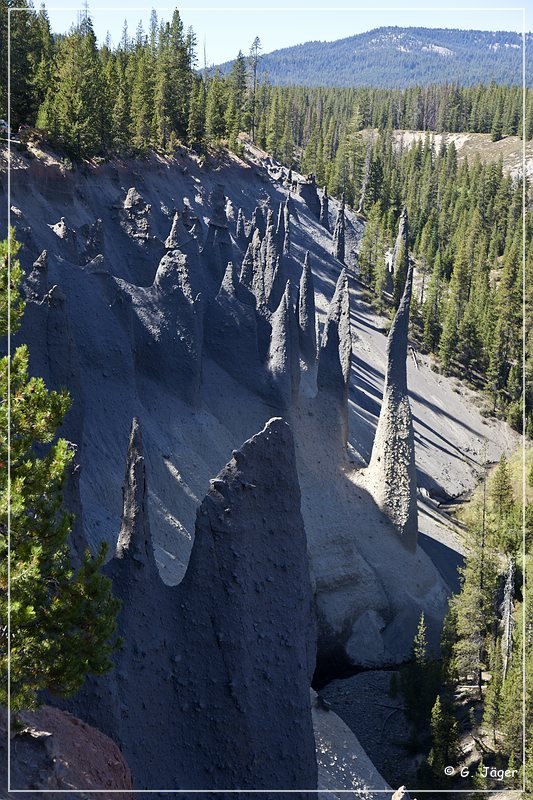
pixel 238 80
pixel 501 492
pixel 254 59
pixel 444 740
pixel 431 307
pixel 475 606
pixel 62 620
pixel 142 99
pixel 196 124
pixel 215 126
pixel 77 110
pixel 419 679
pixel 479 781
pixel 491 705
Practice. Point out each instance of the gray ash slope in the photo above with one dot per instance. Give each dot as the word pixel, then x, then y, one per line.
pixel 137 327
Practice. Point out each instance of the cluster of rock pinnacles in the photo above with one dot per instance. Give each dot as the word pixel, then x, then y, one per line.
pixel 211 687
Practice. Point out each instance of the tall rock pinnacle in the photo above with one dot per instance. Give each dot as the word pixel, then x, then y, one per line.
pixel 283 354
pixel 392 469
pixel 287 226
pixel 269 255
pixel 280 227
pixel 307 314
pixel 134 540
pixel 335 355
pixel 324 209
pixel 339 233
pixel 240 228
pixel 400 253
pixel 211 687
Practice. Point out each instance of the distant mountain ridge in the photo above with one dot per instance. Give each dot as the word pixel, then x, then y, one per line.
pixel 394 57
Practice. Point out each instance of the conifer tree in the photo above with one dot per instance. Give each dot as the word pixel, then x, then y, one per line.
pixel 77 110
pixel 491 705
pixel 196 124
pixel 62 620
pixel 501 492
pixel 215 127
pixel 444 740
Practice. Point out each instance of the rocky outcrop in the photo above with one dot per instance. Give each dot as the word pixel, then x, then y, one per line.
pixel 230 331
pixel 246 276
pixel 69 240
pixel 269 255
pixel 180 235
pixel 307 315
pixel 36 283
pixel 335 355
pixel 283 230
pixel 339 233
pixel 291 208
pixel 258 221
pixel 280 226
pixel 221 663
pixel 134 216
pixel 240 228
pixel 53 750
pixel 392 470
pixel 308 192
pixel 279 282
pixel 217 201
pixel 283 355
pixel 324 209
pixel 134 539
pixel 252 270
pixel 217 250
pixel 168 327
pixel 93 240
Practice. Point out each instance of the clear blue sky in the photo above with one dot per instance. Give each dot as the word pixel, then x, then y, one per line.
pixel 224 32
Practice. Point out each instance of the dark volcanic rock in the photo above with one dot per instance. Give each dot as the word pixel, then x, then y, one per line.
pixel 211 688
pixel 54 750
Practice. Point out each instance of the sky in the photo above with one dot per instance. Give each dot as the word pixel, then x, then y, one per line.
pixel 222 28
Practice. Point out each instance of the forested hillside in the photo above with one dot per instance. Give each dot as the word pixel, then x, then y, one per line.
pixel 466 219
pixel 399 57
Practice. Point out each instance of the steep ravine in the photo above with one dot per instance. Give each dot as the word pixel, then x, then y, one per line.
pixel 158 299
